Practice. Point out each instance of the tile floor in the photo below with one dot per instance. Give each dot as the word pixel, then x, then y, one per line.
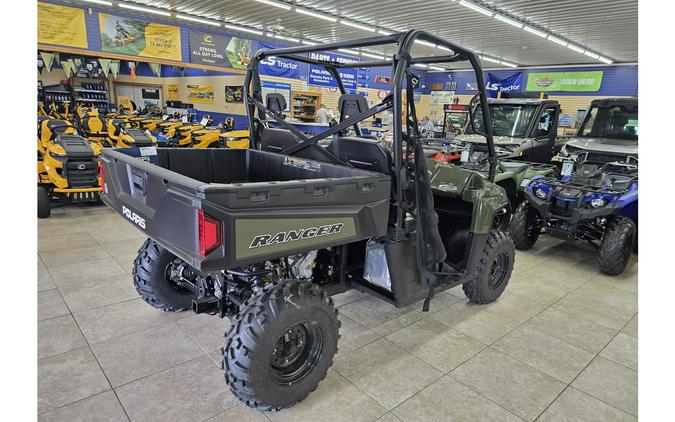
pixel 559 345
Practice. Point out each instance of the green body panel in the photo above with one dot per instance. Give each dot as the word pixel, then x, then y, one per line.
pixel 519 177
pixel 469 186
pixel 265 236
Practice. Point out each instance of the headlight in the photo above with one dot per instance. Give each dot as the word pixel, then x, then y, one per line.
pixel 540 193
pixel 598 202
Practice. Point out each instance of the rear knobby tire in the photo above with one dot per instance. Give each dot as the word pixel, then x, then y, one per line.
pixel 617 245
pixel 253 371
pixel 44 205
pixel 493 271
pixel 525 226
pixel 151 279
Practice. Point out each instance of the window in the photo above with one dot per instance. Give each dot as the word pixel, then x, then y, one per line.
pixel 507 119
pixel 614 122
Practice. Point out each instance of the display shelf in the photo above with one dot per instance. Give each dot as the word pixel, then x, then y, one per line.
pixel 304 105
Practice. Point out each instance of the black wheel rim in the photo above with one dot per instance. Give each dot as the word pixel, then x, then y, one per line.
pixel 296 353
pixel 498 270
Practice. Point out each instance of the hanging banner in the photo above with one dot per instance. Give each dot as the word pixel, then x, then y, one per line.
pixel 139 38
pixel 156 68
pixel 277 66
pixel 495 84
pixel 200 94
pixel 115 68
pixel 61 25
pixel 105 66
pixel 239 52
pixel 442 97
pixel 565 81
pixel 48 60
pixel 68 67
pixel 318 76
pixel 209 49
pixel 173 92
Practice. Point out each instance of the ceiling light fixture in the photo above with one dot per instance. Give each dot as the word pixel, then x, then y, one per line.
pixel 315 14
pixel 437 69
pixel 605 60
pixel 575 48
pixel 508 64
pixel 348 51
pixel 144 9
pixel 557 41
pixel 198 20
pixel 509 21
pixel 373 56
pixel 358 25
pixel 476 7
pixel 428 44
pixel 535 32
pixel 592 55
pixel 283 37
pixel 379 31
pixel 102 2
pixel 307 42
pixel 490 59
pixel 275 4
pixel 420 65
pixel 243 29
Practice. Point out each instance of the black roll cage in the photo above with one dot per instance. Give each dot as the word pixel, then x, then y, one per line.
pixel 400 64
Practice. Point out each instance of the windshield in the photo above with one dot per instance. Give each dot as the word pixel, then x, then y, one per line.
pixel 614 122
pixel 507 119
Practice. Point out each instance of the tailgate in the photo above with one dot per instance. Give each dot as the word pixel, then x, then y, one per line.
pixel 161 203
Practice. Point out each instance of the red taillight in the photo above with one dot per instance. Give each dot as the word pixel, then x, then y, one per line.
pixel 209 233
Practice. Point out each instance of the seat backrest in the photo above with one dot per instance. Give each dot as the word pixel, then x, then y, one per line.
pixel 276 140
pixel 351 104
pixel 93 123
pixel 362 153
pixel 276 102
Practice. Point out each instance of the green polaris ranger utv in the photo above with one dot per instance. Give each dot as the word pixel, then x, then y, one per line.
pixel 265 236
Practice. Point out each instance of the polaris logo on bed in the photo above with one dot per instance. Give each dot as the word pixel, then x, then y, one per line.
pixel 133 217
pixel 302 164
pixel 295 235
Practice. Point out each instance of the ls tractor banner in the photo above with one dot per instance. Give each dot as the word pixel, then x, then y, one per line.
pixel 494 84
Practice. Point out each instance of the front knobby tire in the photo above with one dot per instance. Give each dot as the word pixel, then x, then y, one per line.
pixel 617 245
pixel 280 345
pixel 494 269
pixel 152 281
pixel 525 226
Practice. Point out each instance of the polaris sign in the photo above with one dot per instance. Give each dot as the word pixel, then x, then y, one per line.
pixel 495 84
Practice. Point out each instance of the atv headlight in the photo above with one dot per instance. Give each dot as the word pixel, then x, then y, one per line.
pixel 540 193
pixel 598 202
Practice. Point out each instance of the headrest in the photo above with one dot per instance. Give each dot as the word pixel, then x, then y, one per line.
pixel 351 104
pixel 276 102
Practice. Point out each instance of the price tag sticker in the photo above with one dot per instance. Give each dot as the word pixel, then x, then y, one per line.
pixel 465 156
pixel 567 168
pixel 148 151
pixel 524 183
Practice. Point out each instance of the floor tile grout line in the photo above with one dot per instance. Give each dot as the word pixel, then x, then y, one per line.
pixel 569 385
pixel 363 391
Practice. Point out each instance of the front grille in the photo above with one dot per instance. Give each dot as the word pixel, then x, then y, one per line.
pixel 562 207
pixel 81 173
pixel 596 157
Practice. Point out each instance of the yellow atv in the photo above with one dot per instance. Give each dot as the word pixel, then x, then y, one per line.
pixel 123 136
pixel 214 138
pixel 183 135
pixel 67 165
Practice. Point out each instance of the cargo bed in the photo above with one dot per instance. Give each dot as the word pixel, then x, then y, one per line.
pixel 263 205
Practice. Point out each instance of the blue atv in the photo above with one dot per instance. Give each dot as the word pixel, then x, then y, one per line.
pixel 597 205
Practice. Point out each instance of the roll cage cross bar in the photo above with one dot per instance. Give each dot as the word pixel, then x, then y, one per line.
pixel 400 63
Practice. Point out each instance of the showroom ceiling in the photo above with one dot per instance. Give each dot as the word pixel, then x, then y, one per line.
pixel 599 27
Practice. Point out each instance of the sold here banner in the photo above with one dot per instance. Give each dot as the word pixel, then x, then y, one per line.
pixel 61 25
pixel 565 81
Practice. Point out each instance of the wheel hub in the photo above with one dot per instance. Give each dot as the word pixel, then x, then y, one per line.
pixel 296 353
pixel 498 270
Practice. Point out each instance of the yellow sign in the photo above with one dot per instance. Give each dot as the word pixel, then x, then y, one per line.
pixel 61 25
pixel 200 94
pixel 139 38
pixel 172 92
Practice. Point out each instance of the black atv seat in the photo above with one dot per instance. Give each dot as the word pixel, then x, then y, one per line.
pixel 276 140
pixel 362 153
pixel 512 166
